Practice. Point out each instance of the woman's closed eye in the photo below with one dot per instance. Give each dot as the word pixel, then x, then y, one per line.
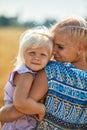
pixel 59 46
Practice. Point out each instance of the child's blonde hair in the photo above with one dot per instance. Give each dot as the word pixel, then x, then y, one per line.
pixel 33 38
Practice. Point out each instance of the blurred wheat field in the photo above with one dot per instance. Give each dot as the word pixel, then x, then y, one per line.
pixel 9 40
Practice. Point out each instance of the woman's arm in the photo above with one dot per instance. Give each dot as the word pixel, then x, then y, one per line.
pixel 27 104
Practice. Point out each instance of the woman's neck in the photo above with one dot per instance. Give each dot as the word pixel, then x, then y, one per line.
pixel 82 65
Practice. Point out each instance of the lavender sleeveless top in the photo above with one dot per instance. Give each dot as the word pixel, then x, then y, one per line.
pixel 26 122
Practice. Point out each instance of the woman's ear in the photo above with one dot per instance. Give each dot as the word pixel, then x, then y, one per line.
pixel 81 47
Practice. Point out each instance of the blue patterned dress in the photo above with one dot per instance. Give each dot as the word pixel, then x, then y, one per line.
pixel 66 101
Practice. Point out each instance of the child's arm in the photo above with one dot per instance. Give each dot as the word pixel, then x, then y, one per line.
pixel 13 113
pixel 9 113
pixel 27 104
pixel 8 108
pixel 39 87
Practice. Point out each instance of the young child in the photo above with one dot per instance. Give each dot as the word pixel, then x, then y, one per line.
pixel 35 51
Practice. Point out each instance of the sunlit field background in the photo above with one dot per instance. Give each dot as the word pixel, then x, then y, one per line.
pixel 9 40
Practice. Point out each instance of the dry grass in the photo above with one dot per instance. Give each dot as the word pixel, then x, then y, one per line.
pixel 9 40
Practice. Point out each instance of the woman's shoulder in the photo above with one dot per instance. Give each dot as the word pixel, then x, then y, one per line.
pixel 67 73
pixel 55 69
pixel 55 64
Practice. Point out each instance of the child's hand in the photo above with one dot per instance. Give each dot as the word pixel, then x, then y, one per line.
pixel 40 116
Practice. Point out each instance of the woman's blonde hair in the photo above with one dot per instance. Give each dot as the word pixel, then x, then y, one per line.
pixel 33 38
pixel 72 27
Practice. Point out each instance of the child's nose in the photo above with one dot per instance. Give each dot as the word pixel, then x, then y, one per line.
pixel 37 57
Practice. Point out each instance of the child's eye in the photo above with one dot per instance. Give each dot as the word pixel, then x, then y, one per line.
pixel 43 54
pixel 32 53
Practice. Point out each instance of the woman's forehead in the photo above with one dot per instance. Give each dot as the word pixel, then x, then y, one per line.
pixel 63 41
pixel 62 37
